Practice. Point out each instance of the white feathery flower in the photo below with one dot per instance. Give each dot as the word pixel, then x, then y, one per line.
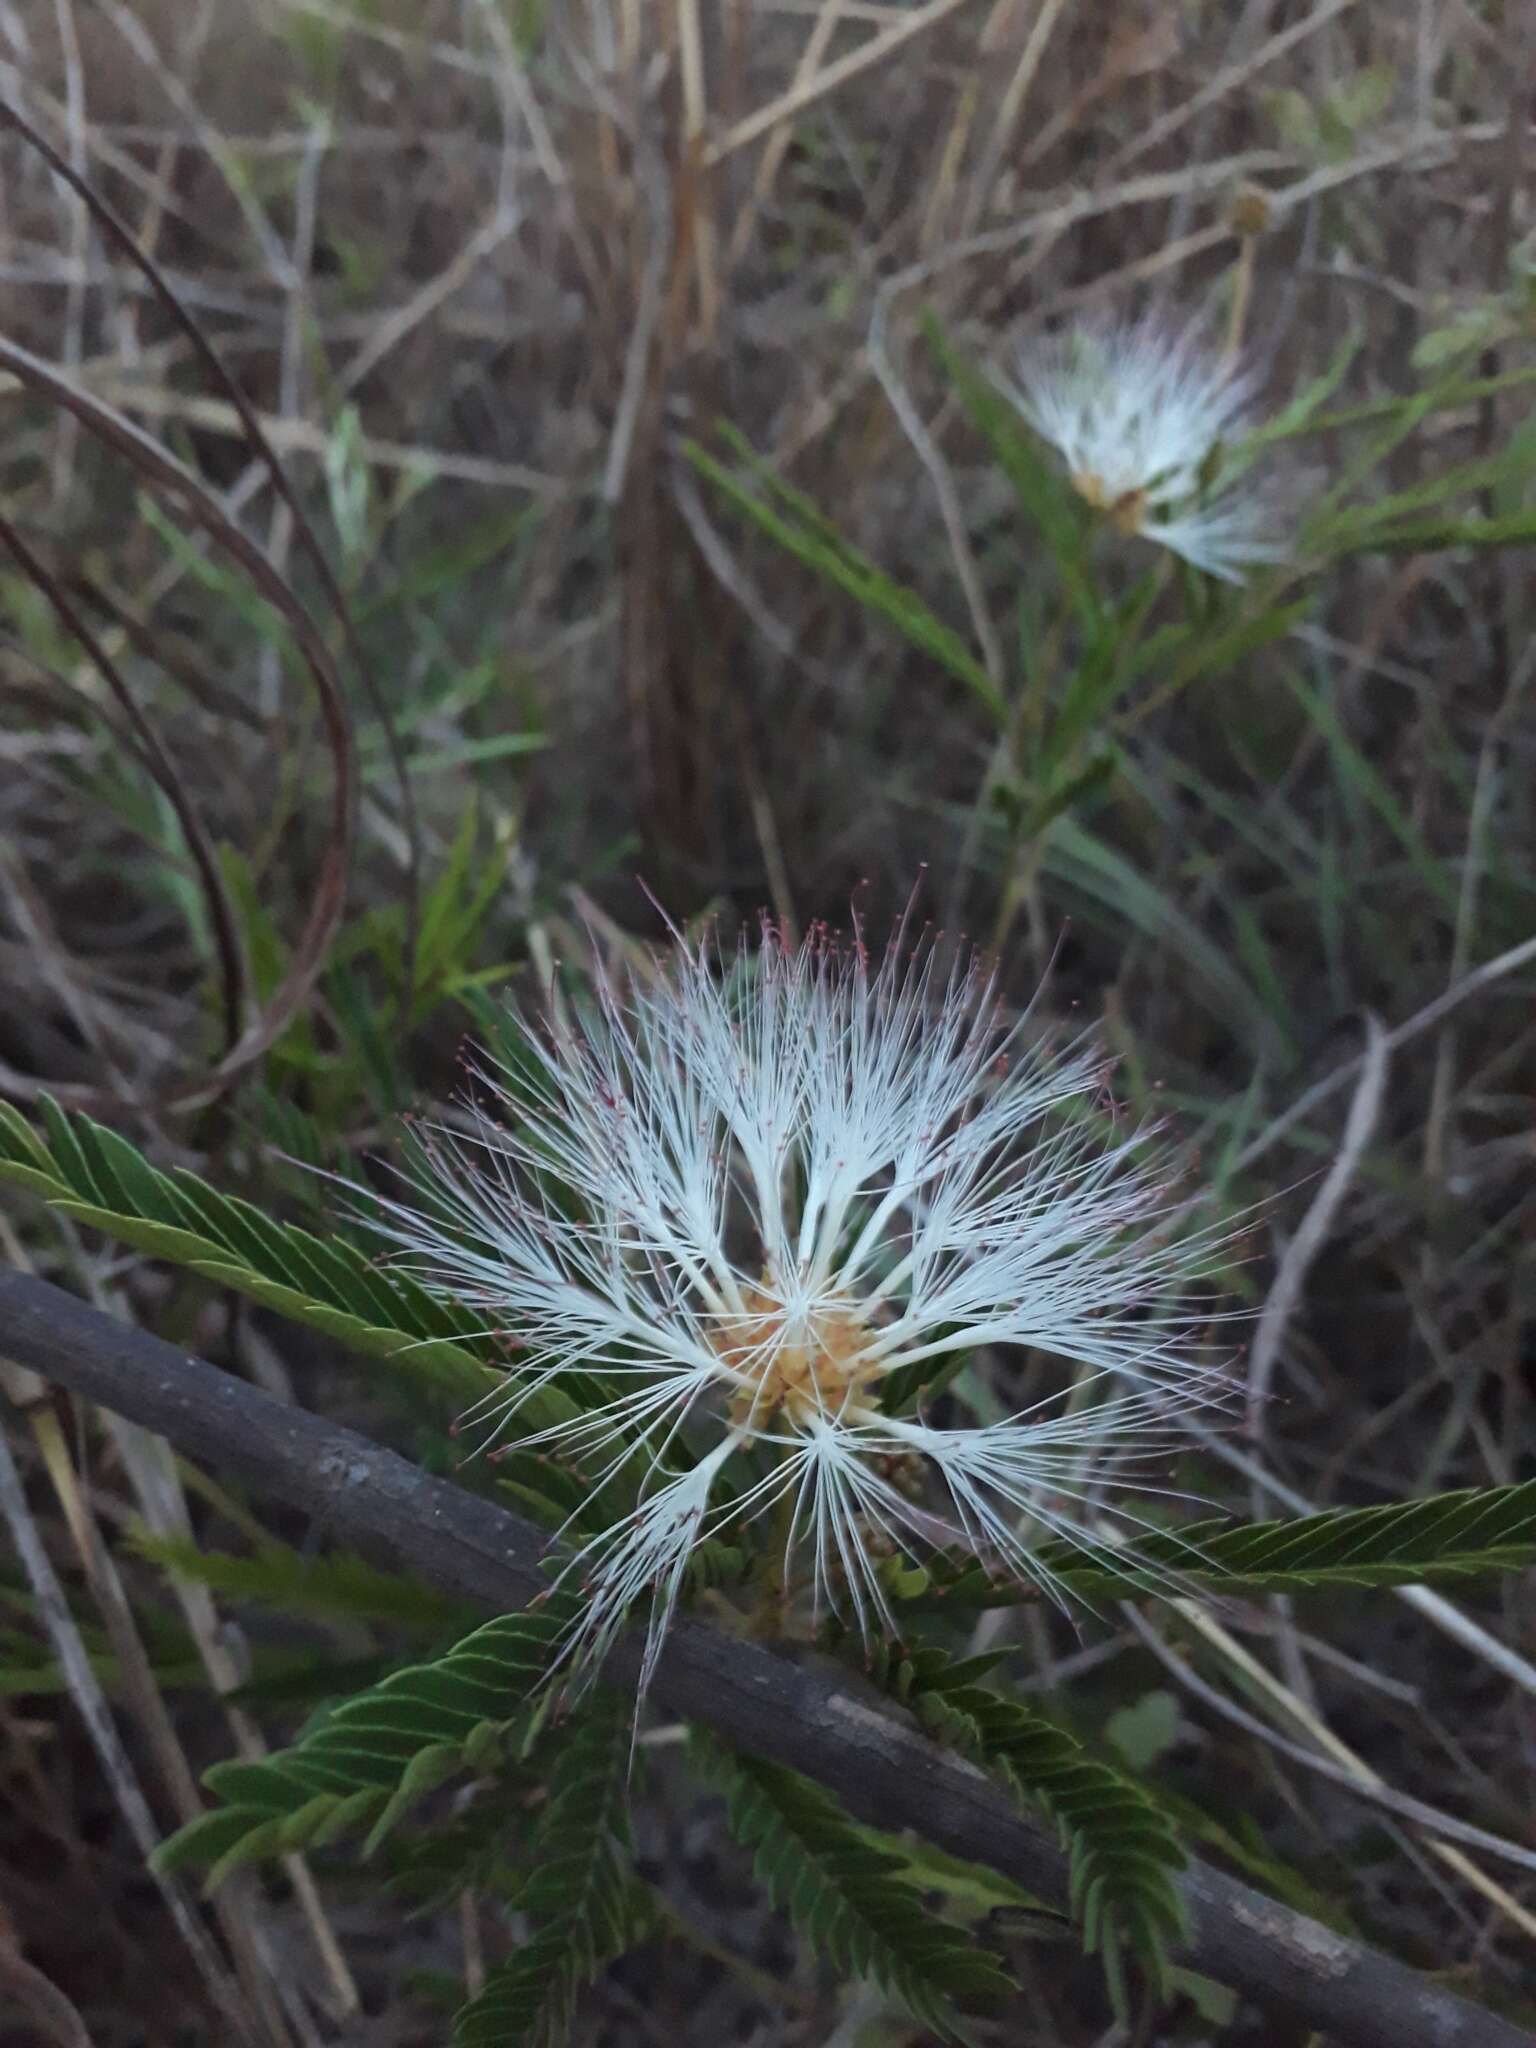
pixel 760 1196
pixel 1141 416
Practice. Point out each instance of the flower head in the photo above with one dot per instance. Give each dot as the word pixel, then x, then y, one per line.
pixel 1141 417
pixel 757 1202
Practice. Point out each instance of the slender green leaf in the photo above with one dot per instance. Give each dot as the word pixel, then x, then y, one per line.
pixel 1045 495
pixel 812 541
pixel 1427 536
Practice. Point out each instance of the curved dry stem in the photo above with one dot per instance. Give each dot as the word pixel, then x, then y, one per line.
pixel 169 478
pixel 221 917
pixel 206 691
pixel 127 245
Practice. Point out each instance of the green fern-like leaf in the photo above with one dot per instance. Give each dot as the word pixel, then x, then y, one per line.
pixel 1123 1850
pixel 845 1892
pixel 1402 1543
pixel 580 1892
pixel 367 1761
pixel 341 1587
pixel 96 1177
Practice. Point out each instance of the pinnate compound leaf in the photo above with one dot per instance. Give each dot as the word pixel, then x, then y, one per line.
pixel 1445 1535
pixel 341 1586
pixel 368 1760
pixel 588 1907
pixel 96 1177
pixel 1123 1851
pixel 847 1893
pixel 1400 1543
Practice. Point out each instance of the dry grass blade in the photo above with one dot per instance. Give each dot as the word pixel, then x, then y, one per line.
pixel 817 43
pixel 157 1489
pixel 240 1923
pixel 809 90
pixel 53 1609
pixel 1312 1233
pixel 1444 1005
pixel 168 477
pixel 304 437
pixel 1330 1758
pixel 79 229
pixel 391 332
pixel 944 490
pixel 123 240
pixel 221 917
pixel 1228 81
pixel 37 1996
pixel 1012 104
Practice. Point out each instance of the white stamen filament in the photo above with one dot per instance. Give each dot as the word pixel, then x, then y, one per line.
pixel 784 1177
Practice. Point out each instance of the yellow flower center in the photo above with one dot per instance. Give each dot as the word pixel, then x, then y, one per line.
pixel 805 1364
pixel 1125 510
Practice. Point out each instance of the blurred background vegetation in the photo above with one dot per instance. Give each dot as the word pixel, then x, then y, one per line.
pixel 634 363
